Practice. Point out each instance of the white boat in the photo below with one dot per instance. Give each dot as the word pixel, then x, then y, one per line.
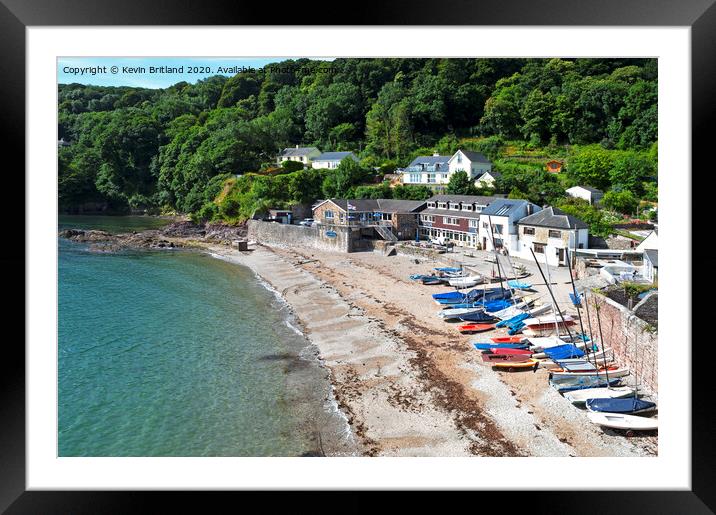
pixel 612 374
pixel 581 396
pixel 540 343
pixel 454 313
pixel 466 282
pixel 548 320
pixel 620 421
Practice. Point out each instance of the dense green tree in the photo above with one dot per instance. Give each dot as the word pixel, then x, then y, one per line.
pixel 623 201
pixel 460 184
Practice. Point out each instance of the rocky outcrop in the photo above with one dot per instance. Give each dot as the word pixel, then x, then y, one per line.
pixel 175 235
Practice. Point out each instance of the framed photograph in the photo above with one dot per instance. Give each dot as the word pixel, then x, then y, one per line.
pixel 237 249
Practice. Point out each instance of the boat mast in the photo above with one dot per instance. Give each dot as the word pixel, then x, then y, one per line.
pixel 554 301
pixel 578 304
pixel 601 338
pixel 497 257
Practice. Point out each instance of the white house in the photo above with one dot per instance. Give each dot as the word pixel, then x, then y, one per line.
pixel 487 179
pixel 502 214
pixel 331 160
pixel 650 268
pixel 437 169
pixel 548 233
pixel 474 163
pixel 303 155
pixel 651 242
pixel 591 195
pixel 427 170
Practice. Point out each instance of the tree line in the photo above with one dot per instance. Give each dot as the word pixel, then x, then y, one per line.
pixel 178 148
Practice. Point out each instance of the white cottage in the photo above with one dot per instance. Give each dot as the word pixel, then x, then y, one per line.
pixel 304 155
pixel 498 223
pixel 474 163
pixel 650 268
pixel 331 160
pixel 591 195
pixel 548 233
pixel 487 179
pixel 651 242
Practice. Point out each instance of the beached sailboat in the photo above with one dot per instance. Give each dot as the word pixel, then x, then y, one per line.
pixel 518 285
pixel 488 346
pixel 475 328
pixel 466 282
pixel 511 366
pixel 625 422
pixel 491 357
pixel 477 316
pixel 509 339
pixel 579 397
pixel 567 384
pixel 457 312
pixel 586 368
pixel 625 405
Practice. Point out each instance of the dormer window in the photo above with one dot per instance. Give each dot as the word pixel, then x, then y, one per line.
pixel 431 204
pixel 467 207
pixel 442 205
pixel 459 158
pixel 455 206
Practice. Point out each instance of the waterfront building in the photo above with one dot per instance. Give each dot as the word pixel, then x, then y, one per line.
pixel 498 223
pixel 548 233
pixel 453 218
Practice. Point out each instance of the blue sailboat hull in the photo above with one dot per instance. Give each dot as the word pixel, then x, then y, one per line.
pixel 628 405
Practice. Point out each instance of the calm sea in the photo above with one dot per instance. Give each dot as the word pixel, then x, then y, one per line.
pixel 176 353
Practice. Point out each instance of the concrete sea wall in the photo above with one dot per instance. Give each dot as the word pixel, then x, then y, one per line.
pixel 320 237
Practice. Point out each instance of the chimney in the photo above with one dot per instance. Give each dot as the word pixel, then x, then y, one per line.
pixel 296 146
pixel 436 154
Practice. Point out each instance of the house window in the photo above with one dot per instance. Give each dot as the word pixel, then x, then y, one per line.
pixel 538 248
pixel 555 234
pixel 431 204
pixel 442 205
pixel 447 220
pixel 467 208
pixel 328 214
pixel 431 178
pixel 529 230
pixel 459 158
pixel 472 223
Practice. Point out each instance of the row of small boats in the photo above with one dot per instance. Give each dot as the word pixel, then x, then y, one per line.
pixel 586 375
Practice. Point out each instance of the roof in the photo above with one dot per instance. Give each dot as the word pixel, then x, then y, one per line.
pixel 334 156
pixel 429 160
pixel 492 173
pixel 653 256
pixel 504 206
pixel 385 205
pixel 466 199
pixel 300 151
pixel 588 188
pixel 475 157
pixel 553 217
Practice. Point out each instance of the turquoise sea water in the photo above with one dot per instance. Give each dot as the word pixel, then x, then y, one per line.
pixel 176 353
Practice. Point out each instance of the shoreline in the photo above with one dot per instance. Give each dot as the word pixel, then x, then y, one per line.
pixel 407 383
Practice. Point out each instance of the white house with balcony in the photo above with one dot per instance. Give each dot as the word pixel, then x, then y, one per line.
pixel 436 170
pixel 548 233
pixel 498 223
pixel 331 160
pixel 304 155
pixel 427 170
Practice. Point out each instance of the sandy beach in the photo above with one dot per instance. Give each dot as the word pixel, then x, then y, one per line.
pixel 409 383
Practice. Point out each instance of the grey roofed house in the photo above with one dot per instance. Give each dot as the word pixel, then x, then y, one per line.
pixel 297 151
pixel 653 256
pixel 382 205
pixel 335 156
pixel 475 157
pixel 504 206
pixel 554 218
pixel 429 160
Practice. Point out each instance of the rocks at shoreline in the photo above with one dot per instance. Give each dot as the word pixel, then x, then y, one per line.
pixel 175 235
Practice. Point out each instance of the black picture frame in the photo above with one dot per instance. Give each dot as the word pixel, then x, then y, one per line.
pixel 16 15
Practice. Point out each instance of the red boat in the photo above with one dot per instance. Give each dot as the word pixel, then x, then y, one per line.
pixel 508 339
pixel 475 328
pixel 511 352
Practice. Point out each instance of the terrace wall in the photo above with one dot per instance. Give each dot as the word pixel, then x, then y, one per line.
pixel 628 336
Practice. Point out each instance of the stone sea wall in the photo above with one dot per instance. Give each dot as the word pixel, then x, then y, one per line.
pixel 635 343
pixel 320 237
